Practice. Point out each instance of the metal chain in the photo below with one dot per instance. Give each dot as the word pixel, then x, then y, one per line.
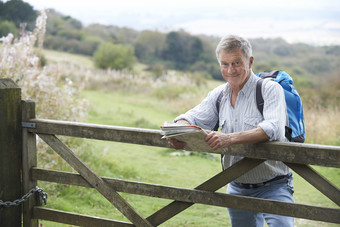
pixel 42 198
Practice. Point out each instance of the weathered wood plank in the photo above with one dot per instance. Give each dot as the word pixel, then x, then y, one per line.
pixel 139 188
pixel 199 196
pixel 318 181
pixel 266 206
pixel 213 184
pixel 29 159
pixel 75 219
pixel 10 151
pixel 299 153
pixel 111 195
pixel 100 132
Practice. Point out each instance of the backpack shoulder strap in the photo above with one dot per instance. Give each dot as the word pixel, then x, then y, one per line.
pixel 259 97
pixel 218 104
pixel 218 101
pixel 260 104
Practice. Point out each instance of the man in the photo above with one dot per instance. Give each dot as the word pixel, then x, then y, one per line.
pixel 241 122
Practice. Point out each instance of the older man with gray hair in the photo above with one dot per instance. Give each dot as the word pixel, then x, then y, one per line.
pixel 241 122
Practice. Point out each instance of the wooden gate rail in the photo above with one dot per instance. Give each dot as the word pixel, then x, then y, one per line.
pixel 313 154
pixel 195 196
pixel 75 219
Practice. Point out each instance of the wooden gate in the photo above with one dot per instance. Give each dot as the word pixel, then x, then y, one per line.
pixel 297 156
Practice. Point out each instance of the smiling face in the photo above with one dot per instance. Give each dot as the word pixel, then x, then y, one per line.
pixel 235 67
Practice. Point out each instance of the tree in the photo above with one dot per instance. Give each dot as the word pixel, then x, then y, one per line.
pixel 114 56
pixel 64 26
pixel 126 36
pixel 105 32
pixel 149 45
pixel 18 12
pixel 182 49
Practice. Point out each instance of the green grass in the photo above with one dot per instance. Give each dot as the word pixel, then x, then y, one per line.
pixel 58 56
pixel 121 108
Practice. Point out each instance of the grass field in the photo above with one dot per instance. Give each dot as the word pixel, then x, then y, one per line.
pixel 151 164
pixel 56 56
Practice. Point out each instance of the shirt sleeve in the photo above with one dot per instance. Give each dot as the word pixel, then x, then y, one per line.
pixel 205 114
pixel 274 111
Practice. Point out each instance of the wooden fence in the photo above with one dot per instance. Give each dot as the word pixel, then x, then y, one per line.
pixel 18 130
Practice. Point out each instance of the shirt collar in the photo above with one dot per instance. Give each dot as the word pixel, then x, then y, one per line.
pixel 249 85
pixel 247 88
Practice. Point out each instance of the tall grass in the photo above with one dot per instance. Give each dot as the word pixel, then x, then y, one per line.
pixel 322 124
pixel 55 94
pixel 53 90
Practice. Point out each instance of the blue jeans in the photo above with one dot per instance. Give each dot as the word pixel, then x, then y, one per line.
pixel 281 190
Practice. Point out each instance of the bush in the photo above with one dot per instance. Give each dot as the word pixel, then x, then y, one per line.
pixel 114 56
pixel 7 27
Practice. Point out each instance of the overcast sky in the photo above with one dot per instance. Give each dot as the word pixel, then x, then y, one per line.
pixel 308 21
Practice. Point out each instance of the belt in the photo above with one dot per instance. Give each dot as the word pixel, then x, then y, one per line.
pixel 257 185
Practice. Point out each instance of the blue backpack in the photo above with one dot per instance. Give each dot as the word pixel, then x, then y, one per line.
pixel 296 130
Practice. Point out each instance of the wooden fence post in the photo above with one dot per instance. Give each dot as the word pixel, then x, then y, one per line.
pixel 29 160
pixel 10 151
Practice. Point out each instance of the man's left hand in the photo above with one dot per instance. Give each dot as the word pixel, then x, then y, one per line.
pixel 217 139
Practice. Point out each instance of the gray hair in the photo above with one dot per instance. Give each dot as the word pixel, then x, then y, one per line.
pixel 234 42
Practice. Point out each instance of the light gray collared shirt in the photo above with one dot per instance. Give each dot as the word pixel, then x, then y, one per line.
pixel 245 116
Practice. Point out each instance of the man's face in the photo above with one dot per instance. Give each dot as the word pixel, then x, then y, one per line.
pixel 235 67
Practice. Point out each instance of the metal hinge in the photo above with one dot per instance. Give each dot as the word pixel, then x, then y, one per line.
pixel 28 125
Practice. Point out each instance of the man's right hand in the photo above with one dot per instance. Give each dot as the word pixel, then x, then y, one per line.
pixel 176 143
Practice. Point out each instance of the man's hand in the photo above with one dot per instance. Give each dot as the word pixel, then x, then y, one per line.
pixel 217 139
pixel 176 143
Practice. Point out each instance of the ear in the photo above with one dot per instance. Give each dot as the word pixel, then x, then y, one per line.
pixel 251 60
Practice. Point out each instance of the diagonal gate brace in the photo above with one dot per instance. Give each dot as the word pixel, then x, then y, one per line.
pixel 213 184
pixel 317 180
pixel 92 178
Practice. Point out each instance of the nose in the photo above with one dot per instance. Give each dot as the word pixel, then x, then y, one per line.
pixel 230 69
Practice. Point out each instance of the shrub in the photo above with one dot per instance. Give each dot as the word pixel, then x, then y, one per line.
pixel 114 56
pixel 7 27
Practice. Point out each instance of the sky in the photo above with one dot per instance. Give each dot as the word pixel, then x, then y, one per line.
pixel 315 22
